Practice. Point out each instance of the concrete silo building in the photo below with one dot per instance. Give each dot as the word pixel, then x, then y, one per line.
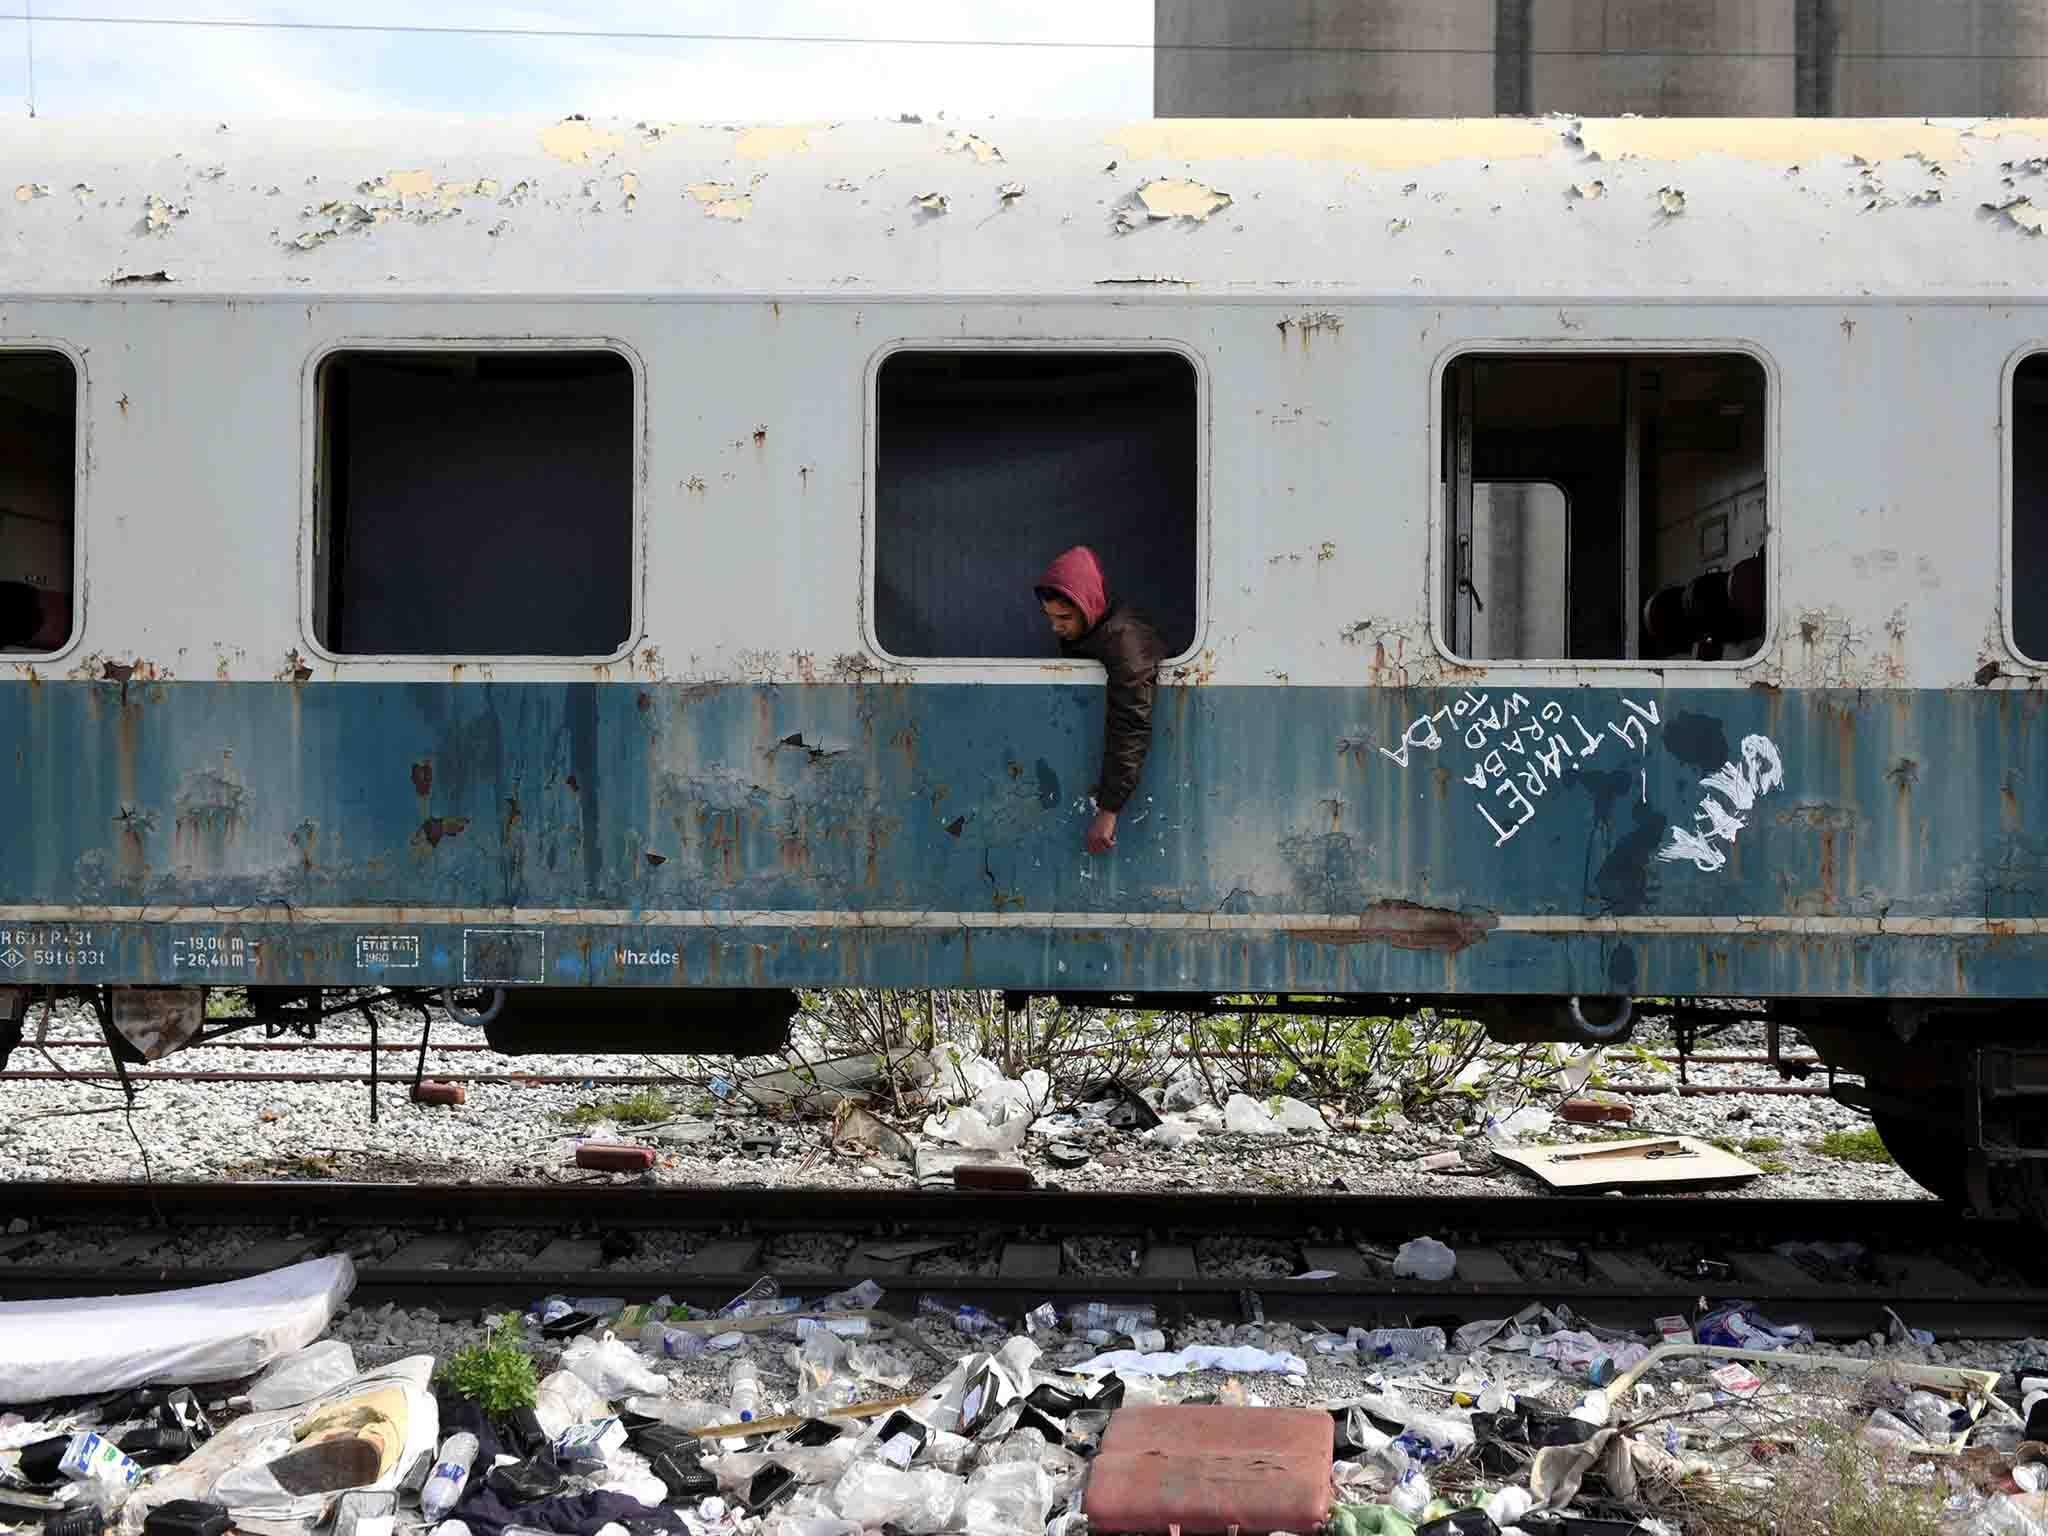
pixel 1673 58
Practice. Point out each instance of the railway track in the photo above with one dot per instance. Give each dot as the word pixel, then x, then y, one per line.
pixel 1300 1258
pixel 96 1073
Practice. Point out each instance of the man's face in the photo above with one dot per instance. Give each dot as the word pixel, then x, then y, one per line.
pixel 1063 616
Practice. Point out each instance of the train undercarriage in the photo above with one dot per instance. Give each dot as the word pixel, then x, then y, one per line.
pixel 1958 1091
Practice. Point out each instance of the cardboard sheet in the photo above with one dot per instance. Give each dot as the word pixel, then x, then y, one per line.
pixel 1647 1162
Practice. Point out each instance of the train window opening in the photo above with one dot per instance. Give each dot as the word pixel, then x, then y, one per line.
pixel 987 464
pixel 475 503
pixel 38 501
pixel 2030 507
pixel 1604 507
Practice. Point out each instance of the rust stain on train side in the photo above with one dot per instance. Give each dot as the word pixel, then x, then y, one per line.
pixel 1407 925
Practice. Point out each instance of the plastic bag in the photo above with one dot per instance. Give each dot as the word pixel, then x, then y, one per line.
pixel 966 1076
pixel 1248 1117
pixel 2007 1515
pixel 1183 1090
pixel 1173 1132
pixel 972 1129
pixel 1007 1498
pixel 301 1377
pixel 565 1398
pixel 1519 1126
pixel 610 1367
pixel 1740 1326
pixel 1424 1258
pixel 1197 1357
pixel 919 1503
pixel 879 1365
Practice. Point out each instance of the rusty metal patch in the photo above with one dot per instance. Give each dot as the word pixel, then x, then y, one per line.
pixel 1405 925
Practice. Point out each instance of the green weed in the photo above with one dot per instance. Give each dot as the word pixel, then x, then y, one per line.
pixel 647 1107
pixel 1864 1146
pixel 497 1375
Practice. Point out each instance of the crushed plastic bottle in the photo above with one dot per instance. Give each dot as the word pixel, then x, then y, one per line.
pixel 683 1413
pixel 863 1297
pixel 1112 1317
pixel 967 1319
pixel 672 1343
pixel 1398 1343
pixel 451 1475
pixel 824 1383
pixel 767 1288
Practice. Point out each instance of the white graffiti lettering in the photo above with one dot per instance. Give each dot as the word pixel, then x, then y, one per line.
pixel 1688 844
pixel 1761 772
pixel 1491 726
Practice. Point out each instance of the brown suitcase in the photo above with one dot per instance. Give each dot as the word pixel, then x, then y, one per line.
pixel 1207 1470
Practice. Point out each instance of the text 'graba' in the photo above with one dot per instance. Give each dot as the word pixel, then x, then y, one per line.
pixel 1520 757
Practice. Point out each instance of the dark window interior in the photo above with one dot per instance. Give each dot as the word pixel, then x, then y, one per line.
pixel 1544 458
pixel 2030 507
pixel 476 504
pixel 38 518
pixel 991 463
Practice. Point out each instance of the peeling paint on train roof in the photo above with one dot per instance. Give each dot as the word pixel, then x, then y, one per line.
pixel 1312 207
pixel 721 199
pixel 973 144
pixel 1173 199
pixel 1394 144
pixel 773 140
pixel 577 141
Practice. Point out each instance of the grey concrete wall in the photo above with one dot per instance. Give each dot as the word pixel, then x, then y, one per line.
pixel 1323 58
pixel 1732 58
pixel 1939 58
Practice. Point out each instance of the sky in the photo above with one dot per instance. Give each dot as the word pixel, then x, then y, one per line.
pixel 97 67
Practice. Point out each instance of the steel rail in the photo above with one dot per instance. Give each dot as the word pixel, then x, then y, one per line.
pixel 1616 1262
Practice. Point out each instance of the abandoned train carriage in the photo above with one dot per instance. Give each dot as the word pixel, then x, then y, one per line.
pixel 590 563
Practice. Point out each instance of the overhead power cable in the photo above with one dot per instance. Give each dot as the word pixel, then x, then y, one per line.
pixel 854 40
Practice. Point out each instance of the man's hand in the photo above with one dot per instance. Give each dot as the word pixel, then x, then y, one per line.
pixel 1102 832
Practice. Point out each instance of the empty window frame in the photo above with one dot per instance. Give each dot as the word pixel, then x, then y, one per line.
pixel 1604 506
pixel 38 500
pixel 475 503
pixel 2029 600
pixel 988 464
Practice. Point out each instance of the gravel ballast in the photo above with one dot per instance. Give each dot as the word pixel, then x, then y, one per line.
pixel 517 1132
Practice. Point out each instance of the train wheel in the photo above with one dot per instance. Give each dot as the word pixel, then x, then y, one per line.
pixel 1933 1156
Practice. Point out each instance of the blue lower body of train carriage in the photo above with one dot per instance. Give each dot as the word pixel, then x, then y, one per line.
pixel 1428 840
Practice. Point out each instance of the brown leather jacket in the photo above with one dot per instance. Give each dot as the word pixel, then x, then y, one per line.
pixel 1130 650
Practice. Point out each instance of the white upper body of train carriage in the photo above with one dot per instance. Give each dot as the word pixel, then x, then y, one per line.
pixel 1644 402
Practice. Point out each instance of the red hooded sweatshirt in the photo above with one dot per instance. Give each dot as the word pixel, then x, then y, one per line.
pixel 1077 576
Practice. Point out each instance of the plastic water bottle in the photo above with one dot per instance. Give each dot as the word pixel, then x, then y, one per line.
pixel 1399 1343
pixel 671 1343
pixel 858 1298
pixel 683 1413
pixel 745 1391
pixel 967 1319
pixel 451 1473
pixel 1115 1316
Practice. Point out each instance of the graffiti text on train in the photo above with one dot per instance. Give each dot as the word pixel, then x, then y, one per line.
pixel 1522 749
pixel 1761 772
